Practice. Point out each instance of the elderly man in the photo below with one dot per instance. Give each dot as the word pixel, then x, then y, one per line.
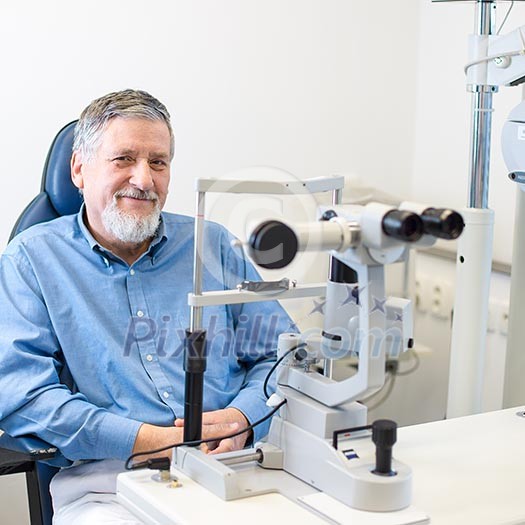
pixel 100 297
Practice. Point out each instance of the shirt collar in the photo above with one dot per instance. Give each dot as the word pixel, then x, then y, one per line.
pixel 159 239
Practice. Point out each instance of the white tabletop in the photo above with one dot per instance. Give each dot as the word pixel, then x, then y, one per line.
pixel 466 471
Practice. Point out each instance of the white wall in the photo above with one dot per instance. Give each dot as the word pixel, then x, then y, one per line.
pixel 310 86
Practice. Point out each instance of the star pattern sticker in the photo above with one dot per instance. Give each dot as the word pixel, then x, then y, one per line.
pixel 293 327
pixel 379 305
pixel 353 295
pixel 318 307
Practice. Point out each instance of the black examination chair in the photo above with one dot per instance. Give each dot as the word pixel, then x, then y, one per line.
pixel 58 196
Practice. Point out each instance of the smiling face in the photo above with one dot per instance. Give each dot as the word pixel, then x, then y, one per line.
pixel 125 179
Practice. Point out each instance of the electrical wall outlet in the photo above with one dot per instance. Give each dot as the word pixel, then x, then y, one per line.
pixel 442 299
pixel 434 296
pixel 422 298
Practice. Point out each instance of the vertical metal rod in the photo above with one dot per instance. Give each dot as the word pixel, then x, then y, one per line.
pixel 473 266
pixel 196 311
pixel 481 119
pixel 480 146
pixel 485 17
pixel 195 342
pixel 337 198
pixel 406 276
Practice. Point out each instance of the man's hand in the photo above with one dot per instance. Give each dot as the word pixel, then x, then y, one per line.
pixel 151 437
pixel 231 417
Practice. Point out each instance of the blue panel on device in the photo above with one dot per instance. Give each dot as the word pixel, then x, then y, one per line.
pixel 350 453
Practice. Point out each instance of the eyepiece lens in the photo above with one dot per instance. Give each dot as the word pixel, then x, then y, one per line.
pixel 443 223
pixel 403 225
pixel 273 245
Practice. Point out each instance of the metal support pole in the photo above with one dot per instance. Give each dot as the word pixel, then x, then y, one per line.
pixel 196 311
pixel 195 343
pixel 481 126
pixel 474 257
pixel 337 198
pixel 481 117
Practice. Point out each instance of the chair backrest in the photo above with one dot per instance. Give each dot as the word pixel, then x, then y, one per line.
pixel 58 195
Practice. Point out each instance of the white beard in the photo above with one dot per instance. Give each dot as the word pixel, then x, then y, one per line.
pixel 129 228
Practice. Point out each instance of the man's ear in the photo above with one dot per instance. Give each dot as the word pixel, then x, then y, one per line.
pixel 76 170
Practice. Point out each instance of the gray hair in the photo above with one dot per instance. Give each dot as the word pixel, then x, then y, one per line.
pixel 129 103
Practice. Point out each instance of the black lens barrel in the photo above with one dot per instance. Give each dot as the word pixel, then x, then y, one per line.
pixel 403 225
pixel 442 223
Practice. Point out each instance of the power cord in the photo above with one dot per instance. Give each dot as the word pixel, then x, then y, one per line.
pixel 414 367
pixel 500 55
pixel 391 382
pixel 276 364
pixel 505 18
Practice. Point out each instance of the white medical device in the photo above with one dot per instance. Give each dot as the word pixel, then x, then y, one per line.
pixel 360 320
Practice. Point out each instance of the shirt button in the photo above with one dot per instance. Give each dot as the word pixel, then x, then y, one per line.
pixel 149 357
pixel 132 272
pixel 166 395
pixel 140 313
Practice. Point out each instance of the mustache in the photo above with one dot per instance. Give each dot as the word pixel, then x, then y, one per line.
pixel 135 193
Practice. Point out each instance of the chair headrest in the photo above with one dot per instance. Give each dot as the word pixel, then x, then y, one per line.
pixel 56 178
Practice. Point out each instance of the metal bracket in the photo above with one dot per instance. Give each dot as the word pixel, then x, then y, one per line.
pixel 266 286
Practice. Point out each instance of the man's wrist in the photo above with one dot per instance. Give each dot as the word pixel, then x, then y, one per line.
pixel 245 423
pixel 151 437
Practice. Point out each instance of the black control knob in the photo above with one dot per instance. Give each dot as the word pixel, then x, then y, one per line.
pixel 273 244
pixel 442 223
pixel 384 435
pixel 403 225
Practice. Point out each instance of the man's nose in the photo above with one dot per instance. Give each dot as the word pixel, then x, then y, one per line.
pixel 142 176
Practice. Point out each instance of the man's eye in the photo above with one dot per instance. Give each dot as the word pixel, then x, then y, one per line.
pixel 123 158
pixel 158 163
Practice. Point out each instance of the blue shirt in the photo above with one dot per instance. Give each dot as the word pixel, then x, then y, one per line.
pixel 90 347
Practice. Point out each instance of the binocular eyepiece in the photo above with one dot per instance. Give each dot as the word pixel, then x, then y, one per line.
pixel 408 226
